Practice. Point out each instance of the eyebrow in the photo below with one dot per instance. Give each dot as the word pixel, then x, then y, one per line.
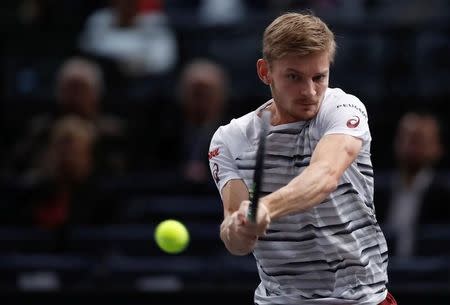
pixel 298 72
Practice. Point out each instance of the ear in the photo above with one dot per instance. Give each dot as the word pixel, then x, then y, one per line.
pixel 262 67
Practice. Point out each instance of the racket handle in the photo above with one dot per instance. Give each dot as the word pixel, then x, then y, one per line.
pixel 250 214
pixel 253 207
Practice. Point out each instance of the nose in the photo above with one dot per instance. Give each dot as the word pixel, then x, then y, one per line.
pixel 308 89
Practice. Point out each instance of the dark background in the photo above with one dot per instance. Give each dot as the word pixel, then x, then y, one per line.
pixel 394 57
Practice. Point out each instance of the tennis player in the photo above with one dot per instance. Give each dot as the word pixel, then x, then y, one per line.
pixel 316 239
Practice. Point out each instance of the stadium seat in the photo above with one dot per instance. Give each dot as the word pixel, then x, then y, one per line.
pixel 187 208
pixel 138 240
pixel 358 66
pixel 27 240
pixel 433 63
pixel 44 272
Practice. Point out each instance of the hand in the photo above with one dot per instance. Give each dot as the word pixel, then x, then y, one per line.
pixel 239 233
pixel 262 218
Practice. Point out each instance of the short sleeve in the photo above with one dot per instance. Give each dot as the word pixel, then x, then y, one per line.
pixel 345 115
pixel 221 162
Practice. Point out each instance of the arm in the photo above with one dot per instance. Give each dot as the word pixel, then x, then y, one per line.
pixel 305 191
pixel 238 234
pixel 333 154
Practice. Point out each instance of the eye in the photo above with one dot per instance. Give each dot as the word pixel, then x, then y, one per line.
pixel 292 76
pixel 319 78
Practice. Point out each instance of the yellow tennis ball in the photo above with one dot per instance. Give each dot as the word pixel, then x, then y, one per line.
pixel 171 236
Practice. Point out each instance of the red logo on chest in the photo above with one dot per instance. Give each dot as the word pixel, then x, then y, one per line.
pixel 353 122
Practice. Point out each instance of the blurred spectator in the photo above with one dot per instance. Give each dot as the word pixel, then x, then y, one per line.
pixel 333 10
pixel 135 34
pixel 61 189
pixel 187 129
pixel 417 192
pixel 219 12
pixel 409 11
pixel 79 86
pixel 49 14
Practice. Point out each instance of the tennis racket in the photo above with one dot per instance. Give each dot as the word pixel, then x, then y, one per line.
pixel 259 166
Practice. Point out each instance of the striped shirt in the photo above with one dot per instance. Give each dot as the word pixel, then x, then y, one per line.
pixel 334 253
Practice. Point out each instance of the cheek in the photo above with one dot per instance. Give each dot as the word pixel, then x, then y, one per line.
pixel 321 87
pixel 277 91
pixel 284 89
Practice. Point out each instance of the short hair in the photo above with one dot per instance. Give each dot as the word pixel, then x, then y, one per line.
pixel 204 69
pixel 84 68
pixel 427 113
pixel 297 33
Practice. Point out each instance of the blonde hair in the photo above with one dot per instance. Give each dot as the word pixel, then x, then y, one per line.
pixel 296 33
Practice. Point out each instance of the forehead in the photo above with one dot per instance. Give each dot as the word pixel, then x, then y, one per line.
pixel 306 64
pixel 419 125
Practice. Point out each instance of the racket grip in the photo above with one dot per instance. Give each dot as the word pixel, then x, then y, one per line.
pixel 251 213
pixel 252 209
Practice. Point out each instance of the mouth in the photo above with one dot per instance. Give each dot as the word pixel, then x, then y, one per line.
pixel 306 103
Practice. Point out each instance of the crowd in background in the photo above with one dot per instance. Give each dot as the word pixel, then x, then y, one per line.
pixel 103 100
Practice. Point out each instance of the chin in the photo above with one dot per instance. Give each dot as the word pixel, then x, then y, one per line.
pixel 307 114
pixel 306 117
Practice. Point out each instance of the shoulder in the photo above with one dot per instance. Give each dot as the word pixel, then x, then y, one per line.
pixel 337 99
pixel 103 16
pixel 441 182
pixel 240 124
pixel 437 193
pixel 152 19
pixel 342 113
pixel 235 130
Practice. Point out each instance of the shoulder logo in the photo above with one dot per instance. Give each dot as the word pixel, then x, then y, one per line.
pixel 353 122
pixel 213 153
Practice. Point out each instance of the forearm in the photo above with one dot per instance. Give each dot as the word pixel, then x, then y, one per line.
pixel 236 238
pixel 305 191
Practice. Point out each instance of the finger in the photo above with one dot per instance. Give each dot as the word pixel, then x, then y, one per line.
pixel 242 212
pixel 243 208
pixel 244 229
pixel 241 219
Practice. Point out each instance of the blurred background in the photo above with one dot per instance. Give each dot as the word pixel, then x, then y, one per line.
pixel 107 109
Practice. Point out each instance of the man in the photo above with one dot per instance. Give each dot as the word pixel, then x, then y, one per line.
pixel 316 239
pixel 416 193
pixel 62 176
pixel 78 91
pixel 202 98
pixel 134 35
